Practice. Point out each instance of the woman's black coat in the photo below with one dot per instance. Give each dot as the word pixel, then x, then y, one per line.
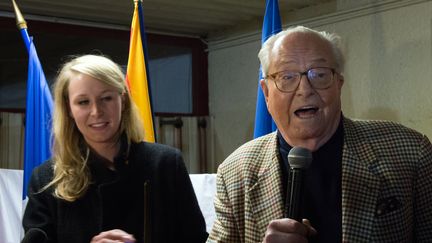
pixel 115 200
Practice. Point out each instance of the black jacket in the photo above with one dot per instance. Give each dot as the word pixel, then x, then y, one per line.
pixel 115 199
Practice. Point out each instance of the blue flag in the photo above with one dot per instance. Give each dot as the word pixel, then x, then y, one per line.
pixel 264 123
pixel 39 108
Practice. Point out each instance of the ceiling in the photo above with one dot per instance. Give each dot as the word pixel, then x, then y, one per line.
pixel 195 18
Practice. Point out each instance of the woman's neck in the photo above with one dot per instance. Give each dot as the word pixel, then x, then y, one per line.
pixel 107 150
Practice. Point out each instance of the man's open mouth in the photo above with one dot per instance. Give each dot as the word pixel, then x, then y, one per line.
pixel 306 112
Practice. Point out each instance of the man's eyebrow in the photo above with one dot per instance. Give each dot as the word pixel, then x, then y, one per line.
pixel 313 61
pixel 321 59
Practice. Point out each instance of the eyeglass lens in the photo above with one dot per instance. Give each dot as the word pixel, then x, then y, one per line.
pixel 319 78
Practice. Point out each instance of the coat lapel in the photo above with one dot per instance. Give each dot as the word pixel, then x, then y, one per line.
pixel 360 186
pixel 265 195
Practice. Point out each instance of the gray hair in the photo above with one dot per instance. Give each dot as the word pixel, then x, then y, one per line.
pixel 332 39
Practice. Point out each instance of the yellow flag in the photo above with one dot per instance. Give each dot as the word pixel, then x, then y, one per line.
pixel 136 75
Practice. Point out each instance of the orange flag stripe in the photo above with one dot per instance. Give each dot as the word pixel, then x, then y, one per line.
pixel 136 77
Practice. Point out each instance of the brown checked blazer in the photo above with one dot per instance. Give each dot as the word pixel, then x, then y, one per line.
pixel 386 186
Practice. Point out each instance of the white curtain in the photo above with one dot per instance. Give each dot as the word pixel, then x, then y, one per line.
pixel 205 190
pixel 11 205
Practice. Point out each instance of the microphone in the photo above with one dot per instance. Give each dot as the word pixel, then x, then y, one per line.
pixel 35 235
pixel 299 159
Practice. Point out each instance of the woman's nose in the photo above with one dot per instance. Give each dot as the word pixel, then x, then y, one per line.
pixel 96 109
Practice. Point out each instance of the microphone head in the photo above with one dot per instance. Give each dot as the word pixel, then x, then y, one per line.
pixel 299 158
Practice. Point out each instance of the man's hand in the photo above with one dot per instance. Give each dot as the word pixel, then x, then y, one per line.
pixel 114 236
pixel 288 230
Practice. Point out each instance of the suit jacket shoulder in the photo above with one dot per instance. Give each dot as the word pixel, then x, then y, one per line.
pixel 250 158
pixel 249 192
pixel 379 131
pixel 385 170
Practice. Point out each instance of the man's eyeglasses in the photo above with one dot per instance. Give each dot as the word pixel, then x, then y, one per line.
pixel 288 81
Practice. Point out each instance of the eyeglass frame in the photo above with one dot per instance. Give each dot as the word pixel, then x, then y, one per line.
pixel 273 77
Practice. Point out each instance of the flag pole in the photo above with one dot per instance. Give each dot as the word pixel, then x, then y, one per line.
pixel 22 25
pixel 145 51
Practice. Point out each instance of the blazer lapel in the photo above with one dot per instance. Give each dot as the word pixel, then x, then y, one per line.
pixel 360 186
pixel 265 196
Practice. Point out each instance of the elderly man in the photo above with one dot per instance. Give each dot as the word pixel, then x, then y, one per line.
pixel 370 181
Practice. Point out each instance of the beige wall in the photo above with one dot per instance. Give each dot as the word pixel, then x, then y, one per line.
pixel 388 71
pixel 233 80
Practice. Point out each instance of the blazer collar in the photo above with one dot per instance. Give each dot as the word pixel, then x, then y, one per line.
pixel 265 195
pixel 360 185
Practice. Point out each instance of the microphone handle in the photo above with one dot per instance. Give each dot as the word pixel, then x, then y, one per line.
pixel 294 201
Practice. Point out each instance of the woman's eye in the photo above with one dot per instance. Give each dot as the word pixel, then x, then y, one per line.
pixel 107 98
pixel 83 102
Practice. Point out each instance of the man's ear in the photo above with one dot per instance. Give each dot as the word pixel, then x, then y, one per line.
pixel 341 81
pixel 264 88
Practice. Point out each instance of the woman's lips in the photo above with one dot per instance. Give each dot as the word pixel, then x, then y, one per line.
pixel 99 125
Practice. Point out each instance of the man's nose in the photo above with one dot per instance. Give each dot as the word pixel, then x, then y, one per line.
pixel 304 85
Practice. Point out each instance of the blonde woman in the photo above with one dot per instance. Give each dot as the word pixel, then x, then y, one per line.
pixel 103 184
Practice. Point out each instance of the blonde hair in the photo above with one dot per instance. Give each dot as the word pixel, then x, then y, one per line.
pixel 333 39
pixel 71 174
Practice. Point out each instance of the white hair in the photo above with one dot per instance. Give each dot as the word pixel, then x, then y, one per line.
pixel 332 39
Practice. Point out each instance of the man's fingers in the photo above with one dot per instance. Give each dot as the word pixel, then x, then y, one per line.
pixel 273 236
pixel 288 226
pixel 311 230
pixel 114 235
pixel 289 230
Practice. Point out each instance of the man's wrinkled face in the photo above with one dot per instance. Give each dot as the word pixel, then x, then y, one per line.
pixel 306 117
